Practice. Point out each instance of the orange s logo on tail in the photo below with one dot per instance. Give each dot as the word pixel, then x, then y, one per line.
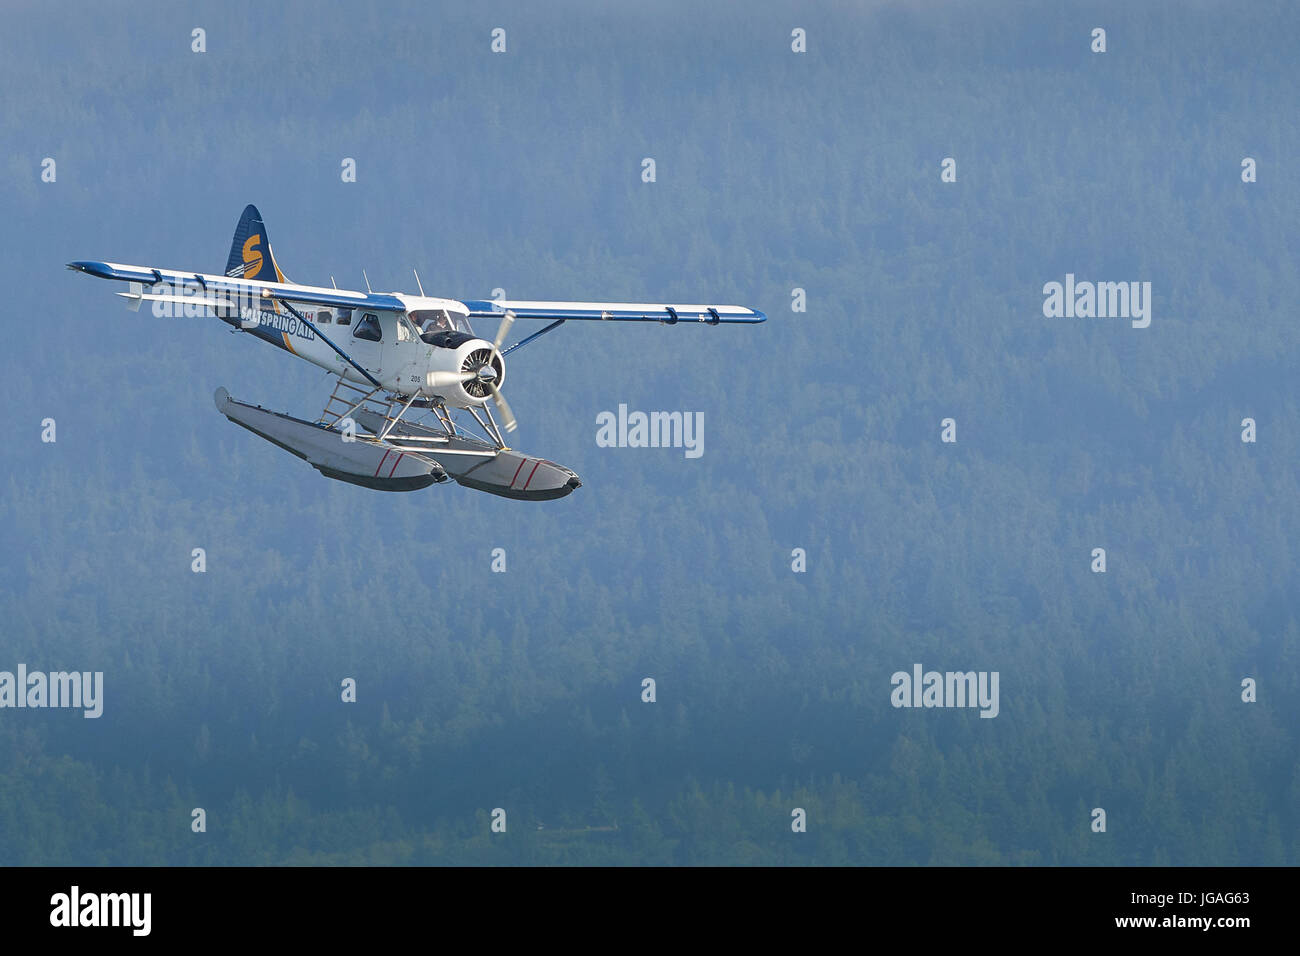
pixel 252 256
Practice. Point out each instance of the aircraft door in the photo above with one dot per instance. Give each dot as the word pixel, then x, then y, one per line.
pixel 369 341
pixel 407 355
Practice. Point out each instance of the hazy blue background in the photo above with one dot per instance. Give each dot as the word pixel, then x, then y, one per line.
pixel 775 171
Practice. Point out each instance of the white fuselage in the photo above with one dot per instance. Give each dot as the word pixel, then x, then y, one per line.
pixel 386 343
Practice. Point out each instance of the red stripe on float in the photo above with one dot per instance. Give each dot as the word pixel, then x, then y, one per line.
pixel 531 473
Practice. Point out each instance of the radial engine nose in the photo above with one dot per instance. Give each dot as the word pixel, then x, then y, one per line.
pixel 487 367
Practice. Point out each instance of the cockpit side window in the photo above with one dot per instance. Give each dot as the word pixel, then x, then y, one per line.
pixel 405 330
pixel 368 328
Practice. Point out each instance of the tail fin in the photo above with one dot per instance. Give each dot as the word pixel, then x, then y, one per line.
pixel 250 251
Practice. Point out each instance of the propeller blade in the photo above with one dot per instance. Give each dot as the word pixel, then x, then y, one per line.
pixel 504 330
pixel 507 416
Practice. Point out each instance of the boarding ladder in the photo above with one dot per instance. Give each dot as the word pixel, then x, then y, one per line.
pixel 348 397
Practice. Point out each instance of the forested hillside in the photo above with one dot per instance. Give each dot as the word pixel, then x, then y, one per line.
pixel 775 171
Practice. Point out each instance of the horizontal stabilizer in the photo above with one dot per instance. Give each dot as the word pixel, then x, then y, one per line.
pixel 208 302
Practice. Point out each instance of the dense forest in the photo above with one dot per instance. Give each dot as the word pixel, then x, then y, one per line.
pixel 782 179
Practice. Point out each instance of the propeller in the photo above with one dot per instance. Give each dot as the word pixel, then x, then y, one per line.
pixel 503 330
pixel 485 374
pixel 507 416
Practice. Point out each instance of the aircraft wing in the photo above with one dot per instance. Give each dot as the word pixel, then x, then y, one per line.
pixel 612 311
pixel 220 290
pixel 223 291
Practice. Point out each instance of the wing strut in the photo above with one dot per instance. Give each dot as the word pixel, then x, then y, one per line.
pixel 554 325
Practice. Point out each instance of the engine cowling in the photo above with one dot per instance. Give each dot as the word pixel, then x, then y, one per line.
pixel 461 368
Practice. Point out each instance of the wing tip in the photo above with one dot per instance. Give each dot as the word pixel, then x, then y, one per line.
pixel 92 267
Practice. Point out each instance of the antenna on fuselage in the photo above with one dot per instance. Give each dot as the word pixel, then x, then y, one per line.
pixel 418 282
pixel 363 272
pixel 333 283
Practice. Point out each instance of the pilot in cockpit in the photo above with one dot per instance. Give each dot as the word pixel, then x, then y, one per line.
pixel 435 321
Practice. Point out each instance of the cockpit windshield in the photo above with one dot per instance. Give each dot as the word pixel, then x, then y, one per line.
pixel 440 320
